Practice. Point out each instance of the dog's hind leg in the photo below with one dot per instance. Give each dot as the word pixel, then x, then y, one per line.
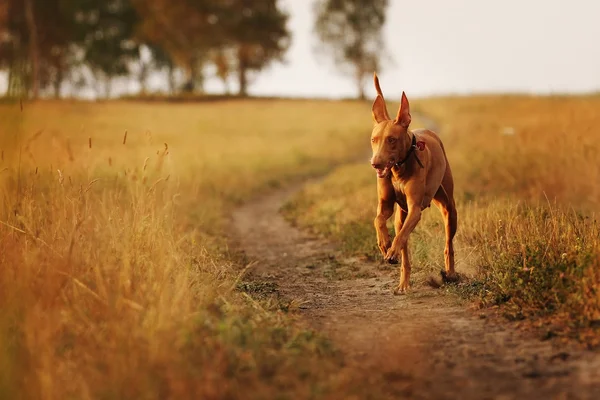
pixel 451 225
pixel 444 200
pixel 399 219
pixel 445 203
pixel 385 209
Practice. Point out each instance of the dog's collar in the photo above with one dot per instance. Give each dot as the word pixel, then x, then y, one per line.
pixel 411 150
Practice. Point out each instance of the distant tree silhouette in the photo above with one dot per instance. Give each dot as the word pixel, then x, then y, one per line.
pixel 243 34
pixel 183 29
pixel 350 31
pixel 46 42
pixel 35 37
pixel 104 36
pixel 257 31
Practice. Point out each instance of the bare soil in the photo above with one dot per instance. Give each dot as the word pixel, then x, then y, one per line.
pixel 427 344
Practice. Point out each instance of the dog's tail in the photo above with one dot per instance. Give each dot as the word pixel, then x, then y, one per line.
pixel 379 92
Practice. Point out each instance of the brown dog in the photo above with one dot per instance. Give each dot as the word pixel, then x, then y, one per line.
pixel 412 171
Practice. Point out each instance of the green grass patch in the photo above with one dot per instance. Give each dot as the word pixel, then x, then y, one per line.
pixel 538 260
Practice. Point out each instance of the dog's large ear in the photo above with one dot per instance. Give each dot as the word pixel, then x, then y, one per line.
pixel 379 108
pixel 379 111
pixel 403 118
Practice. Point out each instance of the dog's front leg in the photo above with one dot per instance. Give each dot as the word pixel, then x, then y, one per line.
pixel 412 219
pixel 386 199
pixel 405 266
pixel 400 244
pixel 385 209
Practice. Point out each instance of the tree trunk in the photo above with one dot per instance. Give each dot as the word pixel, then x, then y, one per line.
pixel 243 81
pixel 108 87
pixel 195 81
pixel 143 78
pixel 58 80
pixel 190 84
pixel 222 63
pixel 360 84
pixel 198 76
pixel 34 51
pixel 9 80
pixel 242 72
pixel 361 91
pixel 171 72
pixel 226 85
pixel 17 81
pixel 104 85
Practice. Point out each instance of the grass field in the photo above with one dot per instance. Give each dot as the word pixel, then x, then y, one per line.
pixel 526 175
pixel 115 277
pixel 116 280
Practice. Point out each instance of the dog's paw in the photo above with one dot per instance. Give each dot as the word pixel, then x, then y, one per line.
pixel 384 246
pixel 392 256
pixel 401 289
pixel 446 278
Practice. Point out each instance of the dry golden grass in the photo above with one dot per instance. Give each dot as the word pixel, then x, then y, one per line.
pixel 115 279
pixel 554 150
pixel 527 185
pixel 115 276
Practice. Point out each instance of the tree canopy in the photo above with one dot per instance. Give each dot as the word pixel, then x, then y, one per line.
pixel 350 31
pixel 46 42
pixel 94 43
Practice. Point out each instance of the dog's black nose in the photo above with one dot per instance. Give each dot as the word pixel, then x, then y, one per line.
pixel 377 166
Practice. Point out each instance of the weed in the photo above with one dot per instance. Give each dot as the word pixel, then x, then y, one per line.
pixel 258 289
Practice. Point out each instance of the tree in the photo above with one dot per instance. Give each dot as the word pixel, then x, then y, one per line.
pixel 186 30
pixel 105 38
pixel 257 31
pixel 34 43
pixel 13 48
pixel 350 30
pixel 43 42
pixel 222 59
pixel 245 34
pixel 34 50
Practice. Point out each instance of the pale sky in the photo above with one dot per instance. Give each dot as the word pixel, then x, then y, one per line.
pixel 458 46
pixel 450 47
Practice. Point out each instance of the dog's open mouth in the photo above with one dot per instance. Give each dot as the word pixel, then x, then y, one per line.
pixel 382 172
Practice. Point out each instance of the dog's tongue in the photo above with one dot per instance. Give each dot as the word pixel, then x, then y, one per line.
pixel 382 172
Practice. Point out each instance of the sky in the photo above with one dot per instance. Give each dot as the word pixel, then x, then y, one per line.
pixel 457 47
pixel 449 47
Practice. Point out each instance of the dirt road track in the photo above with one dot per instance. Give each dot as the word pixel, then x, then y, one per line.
pixel 426 344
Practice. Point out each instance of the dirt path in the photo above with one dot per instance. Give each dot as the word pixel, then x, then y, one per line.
pixel 426 345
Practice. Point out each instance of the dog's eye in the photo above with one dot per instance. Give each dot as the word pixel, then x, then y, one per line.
pixel 391 140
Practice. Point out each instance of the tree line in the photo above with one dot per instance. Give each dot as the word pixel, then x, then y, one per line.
pixel 47 43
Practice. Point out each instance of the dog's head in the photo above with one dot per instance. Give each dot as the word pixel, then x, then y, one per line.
pixel 389 139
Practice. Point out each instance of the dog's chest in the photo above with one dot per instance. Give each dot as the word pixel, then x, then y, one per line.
pixel 400 195
pixel 398 186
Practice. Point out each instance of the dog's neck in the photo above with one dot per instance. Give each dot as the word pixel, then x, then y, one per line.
pixel 407 149
pixel 405 166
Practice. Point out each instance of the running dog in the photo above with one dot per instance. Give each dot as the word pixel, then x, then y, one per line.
pixel 412 171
